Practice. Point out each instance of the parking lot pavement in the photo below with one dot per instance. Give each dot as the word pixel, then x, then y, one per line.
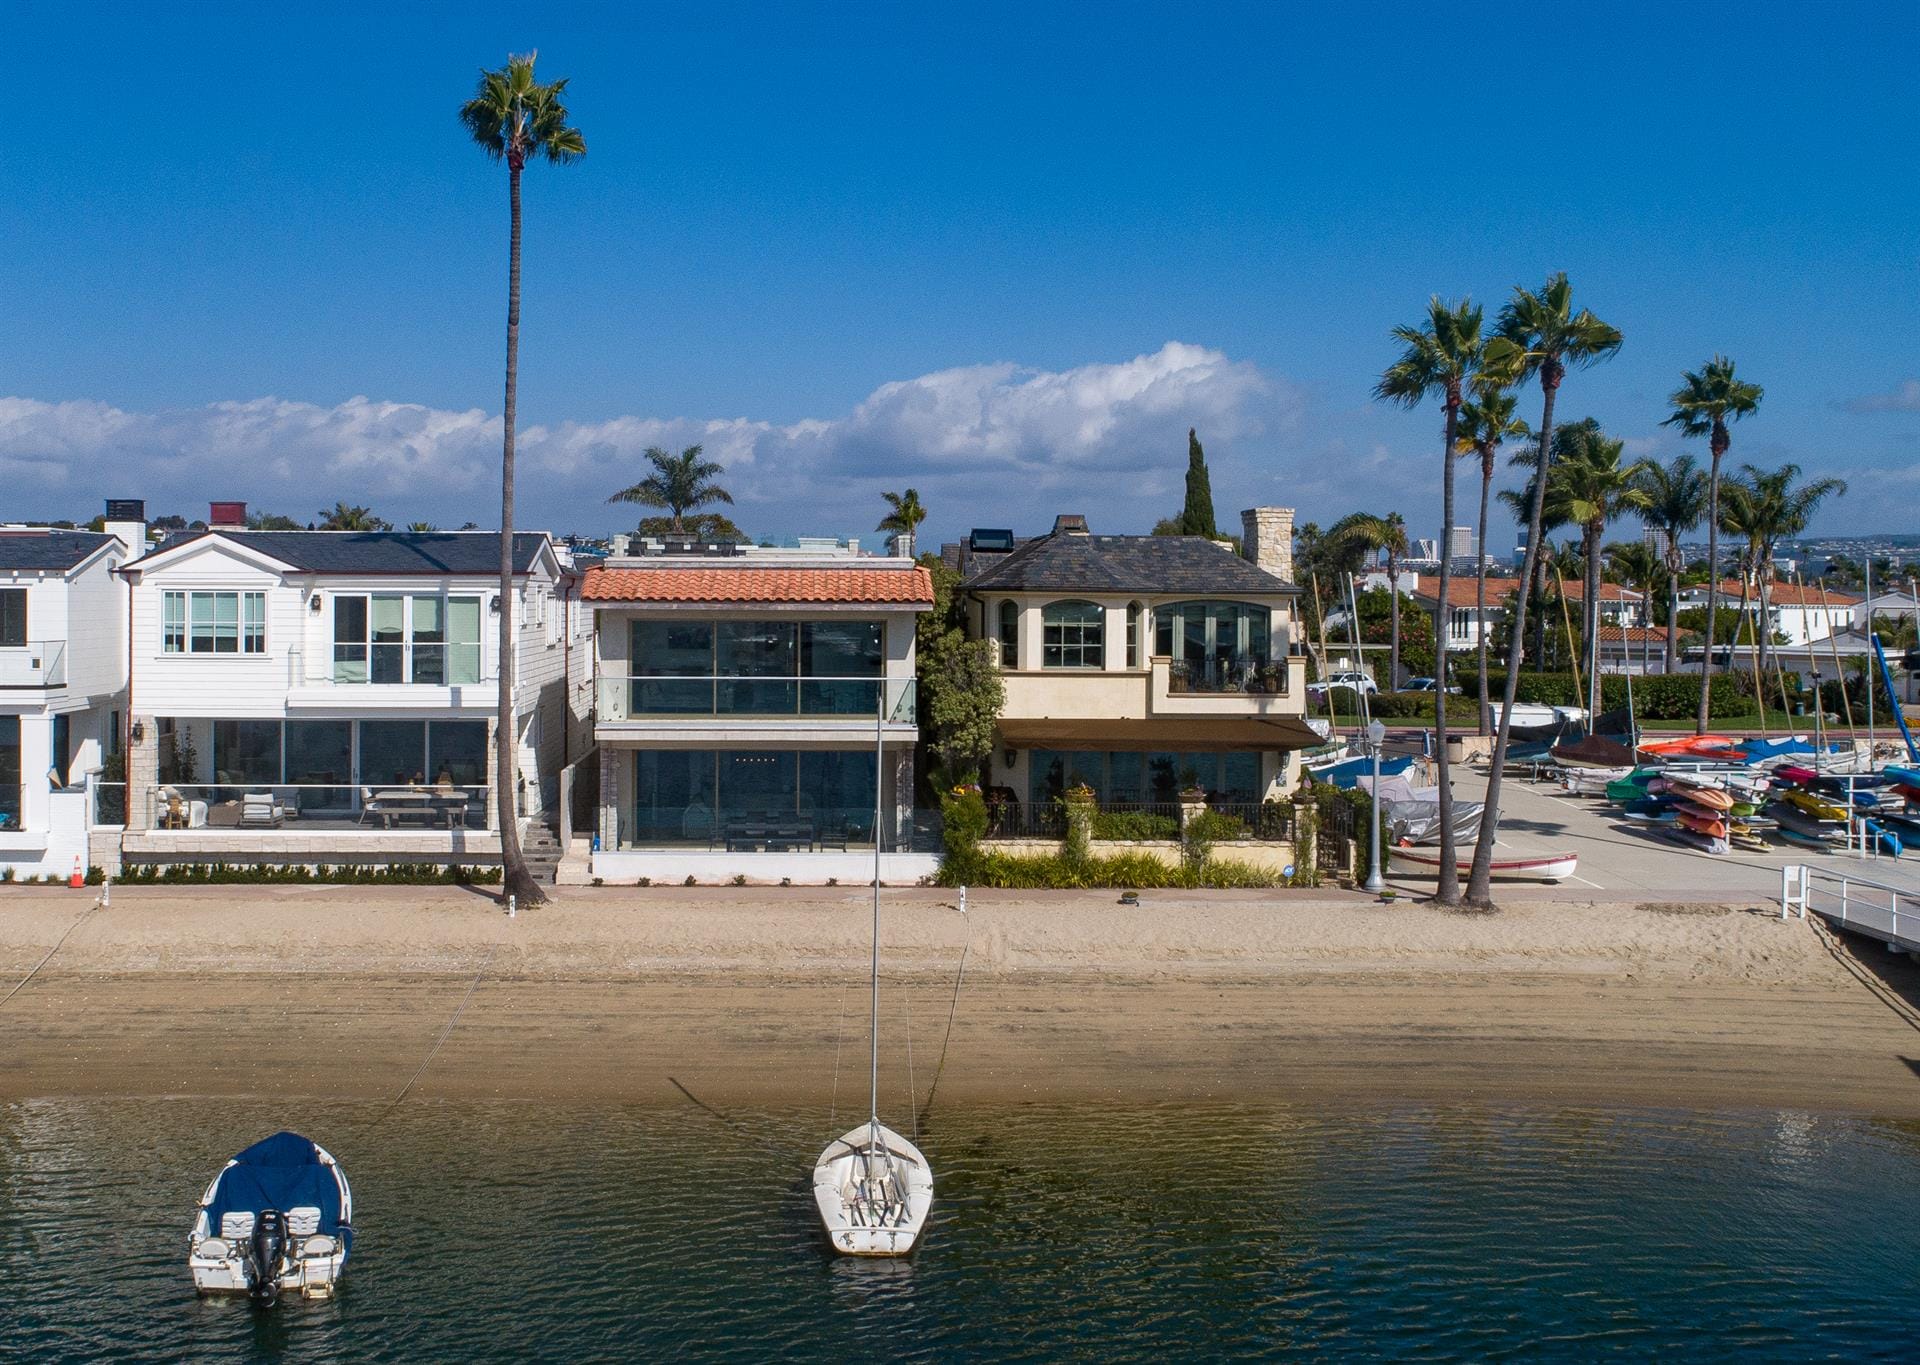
pixel 1622 860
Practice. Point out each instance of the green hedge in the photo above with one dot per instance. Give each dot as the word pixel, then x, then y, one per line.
pixel 1461 710
pixel 1134 824
pixel 1124 871
pixel 1656 696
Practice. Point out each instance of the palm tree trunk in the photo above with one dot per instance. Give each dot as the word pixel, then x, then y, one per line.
pixel 1480 879
pixel 1447 891
pixel 1595 534
pixel 1673 609
pixel 1480 588
pixel 1393 618
pixel 516 878
pixel 1713 579
pixel 1540 620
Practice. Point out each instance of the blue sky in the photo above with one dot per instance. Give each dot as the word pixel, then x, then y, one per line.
pixel 1006 254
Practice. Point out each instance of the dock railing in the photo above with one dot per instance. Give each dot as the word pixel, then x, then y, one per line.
pixel 1878 909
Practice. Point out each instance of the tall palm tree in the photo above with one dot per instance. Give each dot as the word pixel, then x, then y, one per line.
pixel 1486 423
pixel 1552 518
pixel 1634 564
pixel 1386 535
pixel 1676 500
pixel 679 483
pixel 1540 335
pixel 514 118
pixel 1591 484
pixel 1706 401
pixel 346 518
pixel 905 516
pixel 1440 358
pixel 1776 509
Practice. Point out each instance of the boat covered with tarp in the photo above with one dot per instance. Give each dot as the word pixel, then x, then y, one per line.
pixel 278 1218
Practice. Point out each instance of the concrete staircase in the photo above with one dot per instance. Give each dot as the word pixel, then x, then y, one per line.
pixel 541 845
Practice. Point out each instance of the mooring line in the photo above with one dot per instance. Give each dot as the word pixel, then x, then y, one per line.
pixel 913 1096
pixel 21 984
pixel 445 1032
pixel 952 1005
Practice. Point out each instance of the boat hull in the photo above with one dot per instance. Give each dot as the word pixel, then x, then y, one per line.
pixel 1551 867
pixel 857 1228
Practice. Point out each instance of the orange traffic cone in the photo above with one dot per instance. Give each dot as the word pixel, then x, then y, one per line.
pixel 79 878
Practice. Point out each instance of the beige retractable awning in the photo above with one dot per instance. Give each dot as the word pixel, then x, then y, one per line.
pixel 1179 733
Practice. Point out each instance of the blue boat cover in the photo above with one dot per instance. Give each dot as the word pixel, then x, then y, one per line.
pixel 281 1172
pixel 1346 774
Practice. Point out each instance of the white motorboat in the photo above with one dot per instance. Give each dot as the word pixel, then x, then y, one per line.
pixel 277 1219
pixel 872 1187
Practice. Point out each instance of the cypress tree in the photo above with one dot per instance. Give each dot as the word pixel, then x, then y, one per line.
pixel 1196 518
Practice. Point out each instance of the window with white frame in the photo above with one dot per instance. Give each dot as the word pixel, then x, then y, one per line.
pixel 1073 635
pixel 214 623
pixel 1460 624
pixel 406 638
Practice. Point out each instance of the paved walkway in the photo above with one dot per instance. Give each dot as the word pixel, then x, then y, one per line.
pixel 1619 859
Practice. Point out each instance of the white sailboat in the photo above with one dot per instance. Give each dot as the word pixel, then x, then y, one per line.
pixel 872 1187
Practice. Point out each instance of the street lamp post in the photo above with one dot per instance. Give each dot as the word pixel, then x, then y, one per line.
pixel 1376 737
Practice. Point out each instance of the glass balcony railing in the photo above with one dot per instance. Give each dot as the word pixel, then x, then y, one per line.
pixel 41 663
pixel 622 697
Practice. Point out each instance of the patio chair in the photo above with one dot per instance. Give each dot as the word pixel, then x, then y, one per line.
pixel 369 808
pixel 261 809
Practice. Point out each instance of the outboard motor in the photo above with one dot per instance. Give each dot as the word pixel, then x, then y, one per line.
pixel 265 1250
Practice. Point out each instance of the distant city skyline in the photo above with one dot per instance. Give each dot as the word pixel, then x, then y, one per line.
pixel 857 250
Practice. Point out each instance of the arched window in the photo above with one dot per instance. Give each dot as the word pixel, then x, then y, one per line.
pixel 1009 633
pixel 1212 636
pixel 1073 635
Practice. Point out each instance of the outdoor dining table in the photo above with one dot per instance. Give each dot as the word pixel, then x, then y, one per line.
pixel 426 802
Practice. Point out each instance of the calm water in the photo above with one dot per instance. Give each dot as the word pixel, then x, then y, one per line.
pixel 498 1232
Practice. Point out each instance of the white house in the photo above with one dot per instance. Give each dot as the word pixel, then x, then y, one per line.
pixel 329 696
pixel 1620 607
pixel 1801 613
pixel 63 682
pixel 747 699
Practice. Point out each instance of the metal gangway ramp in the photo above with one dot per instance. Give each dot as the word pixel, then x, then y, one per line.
pixel 1879 909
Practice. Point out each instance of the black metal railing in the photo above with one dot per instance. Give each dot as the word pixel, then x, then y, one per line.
pixel 1249 674
pixel 1268 820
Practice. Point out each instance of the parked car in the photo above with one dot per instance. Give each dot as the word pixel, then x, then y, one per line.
pixel 1352 678
pixel 1428 685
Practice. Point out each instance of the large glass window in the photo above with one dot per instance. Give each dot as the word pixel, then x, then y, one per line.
pixel 457 752
pixel 757 650
pixel 666 650
pixel 395 638
pixel 214 623
pixel 10 792
pixel 836 790
pixel 1150 778
pixel 673 796
pixel 13 619
pixel 1009 633
pixel 1073 635
pixel 1214 640
pixel 319 754
pixel 752 799
pixel 393 752
pixel 841 652
pixel 246 751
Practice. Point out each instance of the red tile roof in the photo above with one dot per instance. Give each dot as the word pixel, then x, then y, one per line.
pixel 893 586
pixel 1463 590
pixel 1785 594
pixel 1634 635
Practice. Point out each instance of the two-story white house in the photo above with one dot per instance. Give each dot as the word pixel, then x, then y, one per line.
pixel 63 687
pixel 329 696
pixel 1799 613
pixel 1142 666
pixel 748 700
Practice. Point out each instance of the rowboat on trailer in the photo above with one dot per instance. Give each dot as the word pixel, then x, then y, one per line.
pixel 1548 867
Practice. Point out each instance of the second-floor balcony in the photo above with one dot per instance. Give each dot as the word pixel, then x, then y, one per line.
pixel 1225 688
pixel 41 663
pixel 626 698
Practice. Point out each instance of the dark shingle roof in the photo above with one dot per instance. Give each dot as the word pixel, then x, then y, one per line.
pixel 383 552
pixel 55 551
pixel 1145 564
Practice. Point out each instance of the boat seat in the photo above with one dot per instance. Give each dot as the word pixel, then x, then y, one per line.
pixel 303 1221
pixel 214 1249
pixel 236 1225
pixel 319 1247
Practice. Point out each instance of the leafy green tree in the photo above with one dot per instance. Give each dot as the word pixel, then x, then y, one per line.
pixel 1487 422
pixel 345 518
pixel 1440 359
pixel 1634 564
pixel 704 526
pixel 1676 496
pixel 513 118
pixel 960 692
pixel 270 521
pixel 1708 400
pixel 679 483
pixel 1196 517
pixel 1540 335
pixel 420 527
pixel 1377 535
pixel 1766 507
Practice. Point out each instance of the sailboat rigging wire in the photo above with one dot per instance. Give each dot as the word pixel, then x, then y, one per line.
pixel 839 1033
pixel 913 1094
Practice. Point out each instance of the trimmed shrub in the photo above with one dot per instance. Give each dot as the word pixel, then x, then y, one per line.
pixel 1033 872
pixel 963 821
pixel 1656 696
pixel 1134 825
pixel 1461 710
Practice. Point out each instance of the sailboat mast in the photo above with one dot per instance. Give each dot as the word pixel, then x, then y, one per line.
pixel 879 765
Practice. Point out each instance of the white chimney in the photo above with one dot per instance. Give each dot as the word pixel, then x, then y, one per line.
pixel 127 519
pixel 1266 538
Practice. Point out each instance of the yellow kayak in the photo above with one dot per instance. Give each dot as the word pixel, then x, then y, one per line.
pixel 1817 806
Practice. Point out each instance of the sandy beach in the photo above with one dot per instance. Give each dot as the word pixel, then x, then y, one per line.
pixel 753 997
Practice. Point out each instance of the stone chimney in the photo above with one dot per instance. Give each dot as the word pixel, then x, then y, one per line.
pixel 1266 538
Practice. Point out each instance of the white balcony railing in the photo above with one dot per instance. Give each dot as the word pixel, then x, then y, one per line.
pixel 36 664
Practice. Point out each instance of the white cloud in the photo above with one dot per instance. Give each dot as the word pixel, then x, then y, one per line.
pixel 1102 430
pixel 1902 397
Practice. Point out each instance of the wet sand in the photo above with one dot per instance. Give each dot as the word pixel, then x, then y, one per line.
pixel 741 997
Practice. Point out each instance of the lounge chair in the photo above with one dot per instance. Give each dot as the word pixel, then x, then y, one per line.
pixel 261 809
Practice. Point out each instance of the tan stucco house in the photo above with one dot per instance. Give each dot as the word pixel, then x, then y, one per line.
pixel 1142 665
